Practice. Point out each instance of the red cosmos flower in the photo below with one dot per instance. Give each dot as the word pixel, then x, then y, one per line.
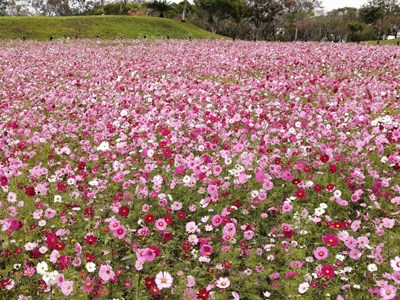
pixel 5 282
pixel 35 253
pixel 89 257
pixel 167 236
pixel 181 215
pixel 123 211
pixel 317 188
pixel 18 250
pixel 3 181
pixel 332 168
pixel 324 158
pixel 330 187
pixel 60 246
pixel 167 152
pixel 61 187
pixel 337 225
pixel 89 212
pixel 236 203
pixel 6 253
pixel 63 262
pixel 149 218
pixel 300 193
pixel 186 246
pixel 328 271
pixel 156 250
pixel 168 219
pixel 296 181
pixel 90 240
pixel 330 240
pixel 155 290
pixel 203 294
pixel 42 285
pixel 51 240
pixel 30 191
pixel 149 282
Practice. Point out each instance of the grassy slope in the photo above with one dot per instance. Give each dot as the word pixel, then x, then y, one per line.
pixel 384 42
pixel 107 27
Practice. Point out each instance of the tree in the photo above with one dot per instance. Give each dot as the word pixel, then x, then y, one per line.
pixel 376 13
pixel 3 7
pixel 218 10
pixel 296 11
pixel 160 6
pixel 58 8
pixel 263 14
pixel 377 9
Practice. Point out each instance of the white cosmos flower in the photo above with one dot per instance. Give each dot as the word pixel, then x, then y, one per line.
pixel 42 268
pixel 163 280
pixel 372 267
pixel 104 146
pixel 223 283
pixel 319 211
pixel 90 267
pixel 337 193
pixel 303 287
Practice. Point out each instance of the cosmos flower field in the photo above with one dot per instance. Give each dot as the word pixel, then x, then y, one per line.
pixel 199 170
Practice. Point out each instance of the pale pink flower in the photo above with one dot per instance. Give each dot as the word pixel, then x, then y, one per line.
pixel 161 224
pixel 164 280
pixel 67 287
pixel 223 283
pixel 106 273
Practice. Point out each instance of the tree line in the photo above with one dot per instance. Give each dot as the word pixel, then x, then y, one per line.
pixel 284 20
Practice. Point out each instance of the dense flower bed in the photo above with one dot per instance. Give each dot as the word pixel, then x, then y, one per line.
pixel 199 170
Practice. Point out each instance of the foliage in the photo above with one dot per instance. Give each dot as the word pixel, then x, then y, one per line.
pixel 106 27
pixel 158 6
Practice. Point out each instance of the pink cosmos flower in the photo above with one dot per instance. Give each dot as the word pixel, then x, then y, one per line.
pixel 388 292
pixel 355 254
pixel 216 220
pixel 206 250
pixel 145 254
pixel 395 263
pixel 120 232
pixel 29 271
pixel 248 234
pixel 190 281
pixel 396 277
pixel 114 224
pixel 161 224
pixel 67 287
pixel 296 264
pixel 59 279
pixel 321 253
pixel 106 273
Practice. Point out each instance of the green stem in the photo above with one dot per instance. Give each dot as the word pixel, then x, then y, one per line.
pixel 137 288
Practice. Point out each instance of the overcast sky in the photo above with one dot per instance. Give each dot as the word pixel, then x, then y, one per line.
pixel 333 4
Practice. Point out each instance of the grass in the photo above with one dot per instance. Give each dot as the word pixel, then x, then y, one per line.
pixel 106 27
pixel 383 42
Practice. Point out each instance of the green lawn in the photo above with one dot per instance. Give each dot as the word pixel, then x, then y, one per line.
pixel 106 27
pixel 383 42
